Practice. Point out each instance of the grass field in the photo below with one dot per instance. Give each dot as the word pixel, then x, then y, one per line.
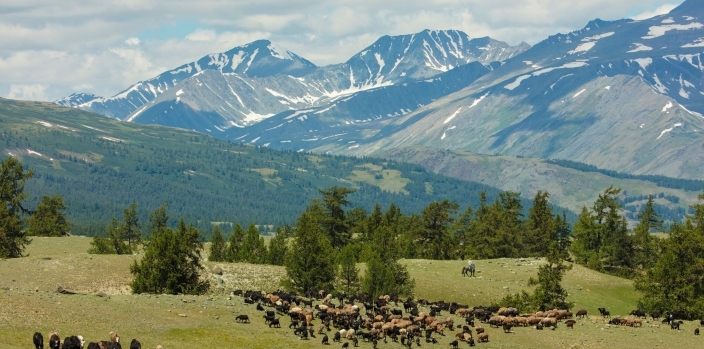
pixel 29 303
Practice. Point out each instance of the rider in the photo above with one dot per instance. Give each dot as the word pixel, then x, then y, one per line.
pixel 471 268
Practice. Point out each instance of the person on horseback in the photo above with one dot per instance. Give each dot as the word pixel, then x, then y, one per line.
pixel 470 264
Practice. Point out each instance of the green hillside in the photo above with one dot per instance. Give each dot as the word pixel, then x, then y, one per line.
pixel 100 166
pixel 571 187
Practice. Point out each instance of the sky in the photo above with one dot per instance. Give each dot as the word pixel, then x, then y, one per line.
pixel 50 49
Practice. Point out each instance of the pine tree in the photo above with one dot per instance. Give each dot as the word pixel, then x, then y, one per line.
pixel 130 229
pixel 234 247
pixel 348 274
pixel 48 219
pixel 13 238
pixel 378 279
pixel 278 247
pixel 587 241
pixel 645 252
pixel 253 247
pixel 101 245
pixel 171 262
pixel 435 237
pixel 310 263
pixel 335 222
pixel 540 228
pixel 549 293
pixel 217 246
pixel 113 232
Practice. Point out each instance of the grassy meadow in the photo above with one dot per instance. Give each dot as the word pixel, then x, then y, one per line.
pixel 29 302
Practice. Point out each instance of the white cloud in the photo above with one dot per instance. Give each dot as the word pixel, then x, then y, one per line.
pixel 658 11
pixel 202 35
pixel 133 41
pixel 106 46
pixel 34 92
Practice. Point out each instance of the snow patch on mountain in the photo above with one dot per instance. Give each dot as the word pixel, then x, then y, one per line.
pixel 521 78
pixel 697 43
pixel 643 62
pixel 597 37
pixel 667 106
pixel 640 47
pixel 668 130
pixel 660 30
pixel 579 93
pixel 585 47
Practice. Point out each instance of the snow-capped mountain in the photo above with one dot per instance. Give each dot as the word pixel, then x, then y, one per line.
pixel 625 95
pixel 76 99
pixel 248 84
pixel 255 60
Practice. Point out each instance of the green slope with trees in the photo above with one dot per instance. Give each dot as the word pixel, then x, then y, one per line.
pixel 100 166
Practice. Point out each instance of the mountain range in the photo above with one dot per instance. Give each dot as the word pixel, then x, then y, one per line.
pixel 623 95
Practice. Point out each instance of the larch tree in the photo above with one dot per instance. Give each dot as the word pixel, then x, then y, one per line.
pixel 310 262
pixel 131 230
pixel 13 238
pixel 234 247
pixel 644 245
pixel 217 246
pixel 49 218
pixel 335 222
pixel 348 273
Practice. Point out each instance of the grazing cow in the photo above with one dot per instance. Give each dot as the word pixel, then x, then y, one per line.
pixel 539 327
pixel 345 345
pixel 337 337
pixel 38 340
pixel 655 315
pixel 71 343
pixel 507 328
pixel 93 345
pixel 471 342
pixel 582 313
pixel 259 307
pixel 570 323
pixel 675 325
pixel 605 313
pixel 274 323
pixel 54 341
pixel 135 344
pixel 638 313
pixel 242 318
pixel 454 344
pixel 696 331
pixel 483 337
pixel 701 322
pixel 325 340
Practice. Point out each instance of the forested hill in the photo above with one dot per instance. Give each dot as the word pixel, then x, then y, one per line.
pixel 100 166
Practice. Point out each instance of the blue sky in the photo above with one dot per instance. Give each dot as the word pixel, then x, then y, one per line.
pixel 51 49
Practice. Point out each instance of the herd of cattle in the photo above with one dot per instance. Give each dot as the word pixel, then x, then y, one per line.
pixel 77 342
pixel 381 322
pixel 382 319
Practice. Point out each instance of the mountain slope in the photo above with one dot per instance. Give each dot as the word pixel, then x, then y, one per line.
pixel 568 187
pixel 257 59
pixel 593 96
pixel 243 86
pixel 100 166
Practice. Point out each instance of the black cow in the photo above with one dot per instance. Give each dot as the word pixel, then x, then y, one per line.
pixel 38 340
pixel 135 344
pixel 242 318
pixel 274 323
pixel 55 341
pixel 638 313
pixel 675 325
pixel 71 343
pixel 325 340
pixel 93 345
pixel 696 331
